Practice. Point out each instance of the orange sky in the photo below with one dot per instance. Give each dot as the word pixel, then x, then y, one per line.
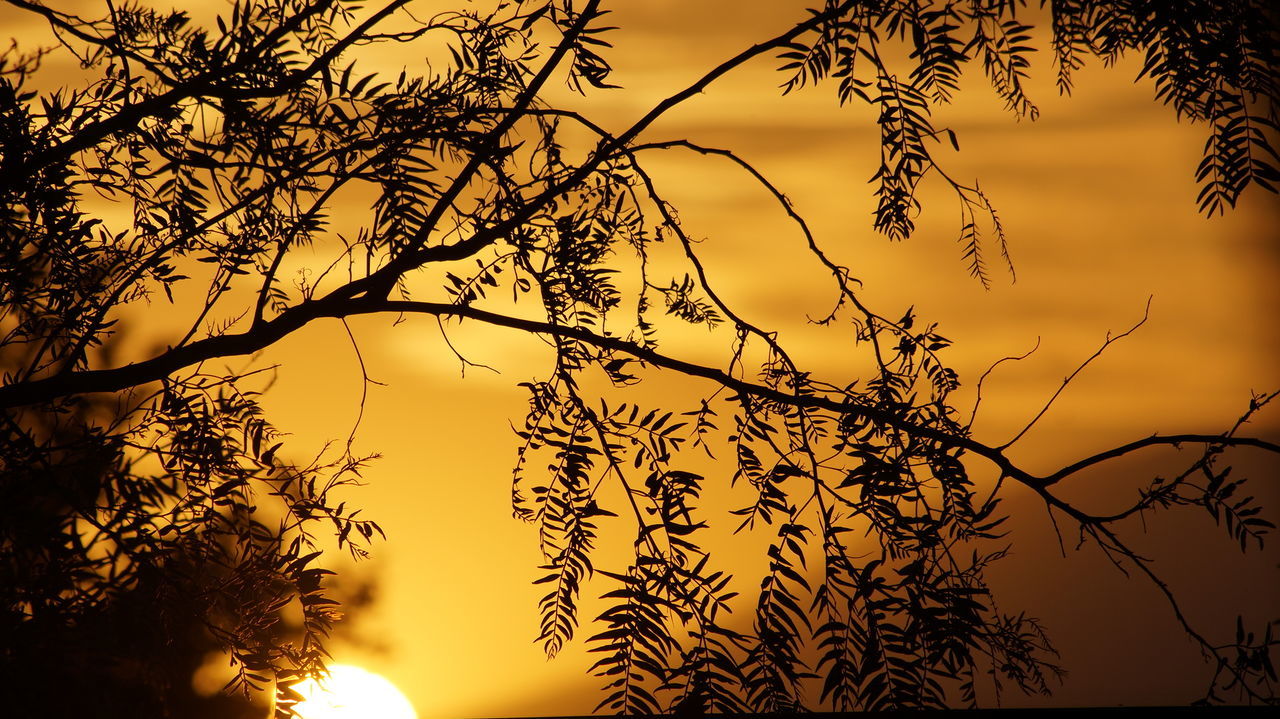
pixel 1099 202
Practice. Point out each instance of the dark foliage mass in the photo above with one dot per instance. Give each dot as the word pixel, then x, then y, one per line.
pixel 147 500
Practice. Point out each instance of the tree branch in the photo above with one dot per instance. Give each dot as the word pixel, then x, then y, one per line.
pixel 1157 440
pixel 337 306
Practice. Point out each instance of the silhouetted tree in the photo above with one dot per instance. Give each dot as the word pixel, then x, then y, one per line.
pixel 207 156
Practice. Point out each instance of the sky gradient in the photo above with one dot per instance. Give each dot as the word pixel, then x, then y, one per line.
pixel 1098 200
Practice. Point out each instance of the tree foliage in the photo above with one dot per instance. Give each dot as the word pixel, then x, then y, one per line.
pixel 196 160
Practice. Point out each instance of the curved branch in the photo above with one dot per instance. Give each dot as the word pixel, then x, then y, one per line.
pixel 385 277
pixel 337 306
pixel 1157 440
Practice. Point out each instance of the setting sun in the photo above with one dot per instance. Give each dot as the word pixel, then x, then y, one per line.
pixel 349 692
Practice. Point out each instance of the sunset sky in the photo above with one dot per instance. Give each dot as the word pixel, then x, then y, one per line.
pixel 1098 199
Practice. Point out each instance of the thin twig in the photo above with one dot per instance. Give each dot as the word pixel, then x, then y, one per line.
pixel 1146 312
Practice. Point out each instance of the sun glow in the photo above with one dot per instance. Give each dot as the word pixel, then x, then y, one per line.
pixel 350 692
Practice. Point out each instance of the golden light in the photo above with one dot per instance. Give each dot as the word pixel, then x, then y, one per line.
pixel 349 692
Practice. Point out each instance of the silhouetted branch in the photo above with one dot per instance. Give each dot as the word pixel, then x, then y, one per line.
pixel 1067 381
